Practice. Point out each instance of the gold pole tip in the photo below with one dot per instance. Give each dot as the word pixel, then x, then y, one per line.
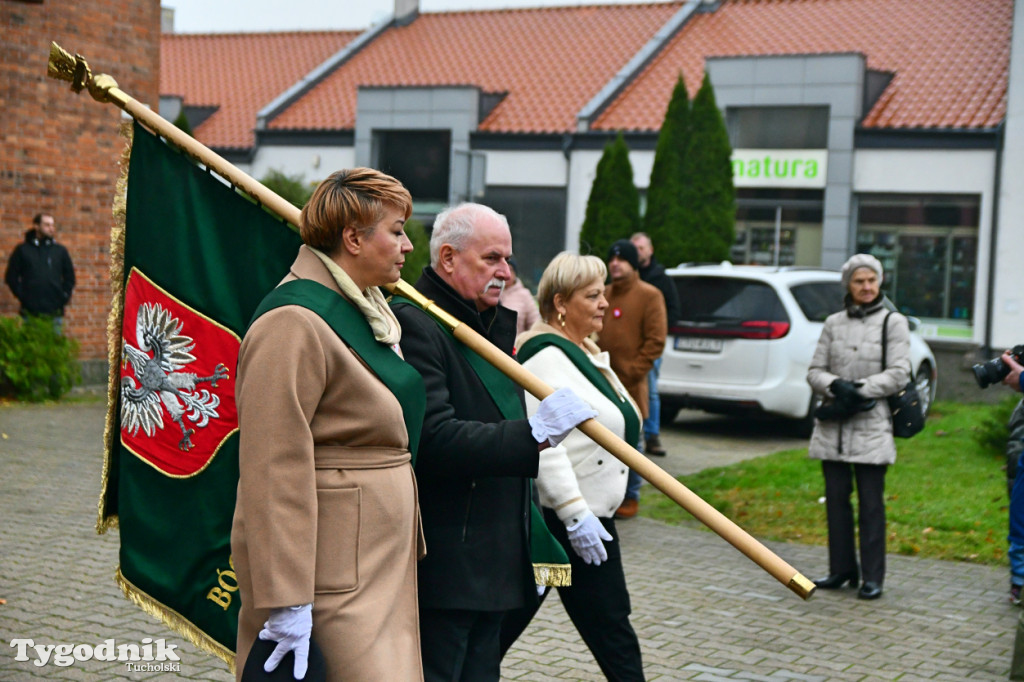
pixel 802 586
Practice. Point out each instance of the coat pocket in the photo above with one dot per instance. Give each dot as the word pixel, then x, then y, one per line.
pixel 337 540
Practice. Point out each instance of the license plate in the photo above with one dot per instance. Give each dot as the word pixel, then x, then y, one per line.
pixel 698 344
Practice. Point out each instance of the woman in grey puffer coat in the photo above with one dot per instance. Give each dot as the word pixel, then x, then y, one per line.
pixel 853 433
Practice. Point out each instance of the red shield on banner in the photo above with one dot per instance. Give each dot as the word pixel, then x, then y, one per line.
pixel 177 380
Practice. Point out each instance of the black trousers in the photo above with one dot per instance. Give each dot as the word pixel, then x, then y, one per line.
pixel 842 555
pixel 460 646
pixel 598 604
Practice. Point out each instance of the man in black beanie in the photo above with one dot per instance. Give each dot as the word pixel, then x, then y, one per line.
pixel 634 336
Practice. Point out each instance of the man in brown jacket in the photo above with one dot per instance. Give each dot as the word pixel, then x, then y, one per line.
pixel 634 336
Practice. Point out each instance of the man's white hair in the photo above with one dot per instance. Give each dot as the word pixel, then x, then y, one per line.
pixel 454 226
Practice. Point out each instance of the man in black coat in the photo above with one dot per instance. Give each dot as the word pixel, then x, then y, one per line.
pixel 473 464
pixel 653 272
pixel 40 273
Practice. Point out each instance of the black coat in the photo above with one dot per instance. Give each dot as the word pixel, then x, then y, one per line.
pixel 654 274
pixel 40 275
pixel 472 466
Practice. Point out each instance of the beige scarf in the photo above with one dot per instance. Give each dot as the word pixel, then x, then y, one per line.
pixel 370 302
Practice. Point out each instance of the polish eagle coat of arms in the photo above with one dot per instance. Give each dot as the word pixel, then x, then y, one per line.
pixel 171 367
pixel 158 381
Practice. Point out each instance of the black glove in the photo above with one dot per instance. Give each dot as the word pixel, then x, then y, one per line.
pixel 848 401
pixel 846 392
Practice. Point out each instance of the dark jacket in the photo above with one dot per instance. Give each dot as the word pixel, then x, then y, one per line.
pixel 654 274
pixel 472 465
pixel 40 275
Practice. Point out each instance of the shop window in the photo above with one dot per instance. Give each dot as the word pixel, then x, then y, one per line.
pixel 792 218
pixel 420 159
pixel 928 246
pixel 777 127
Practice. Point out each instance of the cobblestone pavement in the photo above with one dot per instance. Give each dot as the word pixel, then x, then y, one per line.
pixel 702 610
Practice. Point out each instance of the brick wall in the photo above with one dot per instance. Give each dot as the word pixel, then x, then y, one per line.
pixel 58 150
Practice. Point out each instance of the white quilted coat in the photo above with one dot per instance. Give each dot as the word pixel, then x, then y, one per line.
pixel 578 474
pixel 851 348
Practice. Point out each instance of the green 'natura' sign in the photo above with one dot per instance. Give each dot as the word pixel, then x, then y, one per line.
pixel 779 167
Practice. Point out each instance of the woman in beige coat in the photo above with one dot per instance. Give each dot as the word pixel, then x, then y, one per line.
pixel 853 433
pixel 326 534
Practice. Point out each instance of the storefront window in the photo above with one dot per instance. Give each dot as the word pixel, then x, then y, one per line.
pixel 796 216
pixel 928 246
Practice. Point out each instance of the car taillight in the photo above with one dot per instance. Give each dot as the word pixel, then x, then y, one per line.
pixel 763 329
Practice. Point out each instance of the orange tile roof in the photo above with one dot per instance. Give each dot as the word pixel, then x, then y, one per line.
pixel 950 57
pixel 550 61
pixel 240 73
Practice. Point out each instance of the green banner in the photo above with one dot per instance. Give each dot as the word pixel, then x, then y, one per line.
pixel 198 259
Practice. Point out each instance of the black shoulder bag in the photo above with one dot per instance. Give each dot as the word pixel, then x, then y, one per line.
pixel 905 404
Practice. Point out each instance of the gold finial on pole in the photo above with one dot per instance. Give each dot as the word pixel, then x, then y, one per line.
pixel 76 71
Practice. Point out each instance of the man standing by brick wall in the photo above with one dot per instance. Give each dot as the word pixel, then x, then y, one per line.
pixel 40 273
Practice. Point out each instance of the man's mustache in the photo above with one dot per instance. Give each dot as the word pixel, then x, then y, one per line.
pixel 500 283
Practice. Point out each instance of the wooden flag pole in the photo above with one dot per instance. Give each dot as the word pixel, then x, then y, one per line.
pixel 103 88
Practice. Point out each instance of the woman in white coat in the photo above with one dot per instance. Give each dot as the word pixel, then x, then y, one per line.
pixel 580 485
pixel 853 433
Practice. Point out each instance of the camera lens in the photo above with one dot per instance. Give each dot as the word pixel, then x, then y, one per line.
pixel 988 373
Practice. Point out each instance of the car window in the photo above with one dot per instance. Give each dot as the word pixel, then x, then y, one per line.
pixel 818 300
pixel 730 300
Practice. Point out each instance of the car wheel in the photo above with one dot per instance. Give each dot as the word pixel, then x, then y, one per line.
pixel 669 411
pixel 923 384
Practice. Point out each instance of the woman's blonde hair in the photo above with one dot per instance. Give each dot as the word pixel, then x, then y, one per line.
pixel 354 197
pixel 566 274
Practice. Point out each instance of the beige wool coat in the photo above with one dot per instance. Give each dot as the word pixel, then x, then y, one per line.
pixel 851 348
pixel 327 506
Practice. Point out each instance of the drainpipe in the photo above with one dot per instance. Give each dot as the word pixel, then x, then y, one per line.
pixel 997 182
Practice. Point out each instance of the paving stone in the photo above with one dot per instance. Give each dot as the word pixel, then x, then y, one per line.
pixel 701 609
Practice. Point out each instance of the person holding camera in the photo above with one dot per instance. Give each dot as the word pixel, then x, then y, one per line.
pixel 853 428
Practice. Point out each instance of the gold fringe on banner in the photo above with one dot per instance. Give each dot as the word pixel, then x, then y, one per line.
pixel 175 621
pixel 552 575
pixel 114 323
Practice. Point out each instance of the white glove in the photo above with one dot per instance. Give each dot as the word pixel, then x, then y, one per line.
pixel 290 627
pixel 585 537
pixel 557 415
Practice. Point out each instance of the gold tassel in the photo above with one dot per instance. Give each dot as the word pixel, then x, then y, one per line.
pixel 114 322
pixel 175 621
pixel 552 575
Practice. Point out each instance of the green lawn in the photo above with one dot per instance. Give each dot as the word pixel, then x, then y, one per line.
pixel 945 496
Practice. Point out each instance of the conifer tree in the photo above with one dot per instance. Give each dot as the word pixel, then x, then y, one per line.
pixel 709 200
pixel 613 208
pixel 665 220
pixel 181 122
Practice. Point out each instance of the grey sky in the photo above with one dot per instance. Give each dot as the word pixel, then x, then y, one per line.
pixel 219 16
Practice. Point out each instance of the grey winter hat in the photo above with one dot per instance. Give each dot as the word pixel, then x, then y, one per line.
pixel 860 260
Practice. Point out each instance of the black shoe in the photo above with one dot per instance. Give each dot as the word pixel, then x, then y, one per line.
pixel 654 447
pixel 837 580
pixel 869 590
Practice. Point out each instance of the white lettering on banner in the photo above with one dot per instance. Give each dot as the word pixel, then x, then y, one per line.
pixel 64 654
pixel 779 168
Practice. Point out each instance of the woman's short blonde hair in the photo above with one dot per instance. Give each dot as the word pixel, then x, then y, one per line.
pixel 354 197
pixel 566 274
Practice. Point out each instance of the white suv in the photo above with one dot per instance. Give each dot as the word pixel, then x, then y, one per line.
pixel 746 337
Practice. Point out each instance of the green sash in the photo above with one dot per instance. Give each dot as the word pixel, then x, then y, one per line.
pixel 535 344
pixel 550 562
pixel 349 324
